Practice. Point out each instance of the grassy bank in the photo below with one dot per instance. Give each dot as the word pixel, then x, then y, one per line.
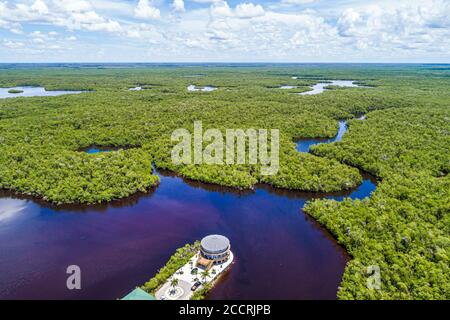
pixel 176 261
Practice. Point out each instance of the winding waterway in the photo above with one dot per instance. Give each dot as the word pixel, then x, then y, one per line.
pixel 280 252
pixel 304 144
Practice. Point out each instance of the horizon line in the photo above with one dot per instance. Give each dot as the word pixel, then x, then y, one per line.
pixel 217 62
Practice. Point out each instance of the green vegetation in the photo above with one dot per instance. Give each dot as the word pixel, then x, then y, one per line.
pixel 403 228
pixel 176 261
pixel 205 275
pixel 174 283
pixel 201 293
pixel 400 140
pixel 15 91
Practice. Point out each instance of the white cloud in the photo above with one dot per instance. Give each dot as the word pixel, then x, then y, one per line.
pixel 205 1
pixel 12 44
pixel 348 22
pixel 340 30
pixel 144 32
pixel 134 33
pixel 220 9
pixel 178 6
pixel 249 10
pixel 144 10
pixel 74 15
pixel 298 2
pixel 15 30
pixel 40 7
pixel 394 27
pixel 114 6
pixel 73 5
pixel 91 21
pixel 38 40
pixel 436 15
pixel 37 34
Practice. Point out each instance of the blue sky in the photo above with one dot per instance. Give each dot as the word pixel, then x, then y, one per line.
pixel 218 30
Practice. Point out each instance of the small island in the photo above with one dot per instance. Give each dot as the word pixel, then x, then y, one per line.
pixel 15 91
pixel 191 272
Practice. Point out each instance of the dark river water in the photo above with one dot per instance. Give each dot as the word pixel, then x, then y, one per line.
pixel 280 252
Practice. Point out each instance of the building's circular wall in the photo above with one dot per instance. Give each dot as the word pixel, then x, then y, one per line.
pixel 215 244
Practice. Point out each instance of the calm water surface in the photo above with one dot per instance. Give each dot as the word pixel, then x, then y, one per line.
pixel 206 88
pixel 93 150
pixel 287 87
pixel 33 92
pixel 100 149
pixel 280 252
pixel 321 86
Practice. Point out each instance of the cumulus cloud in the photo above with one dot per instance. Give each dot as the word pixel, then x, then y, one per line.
pixel 436 15
pixel 401 27
pixel 178 6
pixel 342 30
pixel 40 7
pixel 145 10
pixel 220 9
pixel 89 20
pixel 74 15
pixel 249 10
pixel 348 22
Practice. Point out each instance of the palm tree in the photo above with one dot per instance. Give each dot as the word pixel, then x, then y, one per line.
pixel 205 274
pixel 174 283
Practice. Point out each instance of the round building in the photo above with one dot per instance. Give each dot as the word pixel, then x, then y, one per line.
pixel 214 249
